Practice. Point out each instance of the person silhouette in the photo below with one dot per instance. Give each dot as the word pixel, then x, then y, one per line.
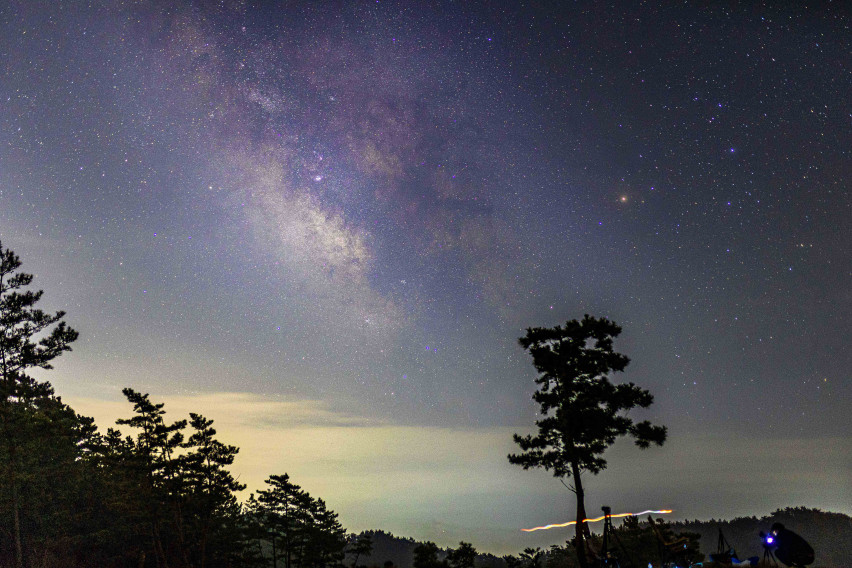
pixel 790 548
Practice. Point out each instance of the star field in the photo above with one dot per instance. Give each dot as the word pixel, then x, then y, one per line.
pixel 366 203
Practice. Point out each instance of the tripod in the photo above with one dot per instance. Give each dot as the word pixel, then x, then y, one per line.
pixel 607 559
pixel 768 556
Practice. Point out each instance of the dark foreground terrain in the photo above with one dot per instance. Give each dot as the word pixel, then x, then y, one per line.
pixel 830 534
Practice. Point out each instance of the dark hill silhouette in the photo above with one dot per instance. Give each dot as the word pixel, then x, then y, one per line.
pixel 387 547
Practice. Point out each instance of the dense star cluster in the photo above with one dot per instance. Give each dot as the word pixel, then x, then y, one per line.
pixel 366 203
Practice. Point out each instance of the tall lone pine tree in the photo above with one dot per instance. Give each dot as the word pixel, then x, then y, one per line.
pixel 583 412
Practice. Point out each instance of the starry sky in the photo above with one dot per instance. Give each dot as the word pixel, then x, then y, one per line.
pixel 326 224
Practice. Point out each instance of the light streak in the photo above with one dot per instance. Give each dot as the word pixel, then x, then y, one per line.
pixel 596 519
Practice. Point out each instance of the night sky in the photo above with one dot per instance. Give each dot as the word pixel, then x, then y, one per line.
pixel 325 225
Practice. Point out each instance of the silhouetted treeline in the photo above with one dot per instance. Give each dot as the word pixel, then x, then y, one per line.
pixel 639 545
pixel 158 494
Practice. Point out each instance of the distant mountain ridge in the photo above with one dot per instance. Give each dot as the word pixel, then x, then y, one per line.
pixel 829 533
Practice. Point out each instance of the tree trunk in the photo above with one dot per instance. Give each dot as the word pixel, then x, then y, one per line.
pixel 203 544
pixel 19 550
pixel 16 506
pixel 580 529
pixel 287 546
pixel 8 438
pixel 158 547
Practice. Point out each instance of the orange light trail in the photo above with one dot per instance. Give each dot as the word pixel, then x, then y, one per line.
pixel 569 523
